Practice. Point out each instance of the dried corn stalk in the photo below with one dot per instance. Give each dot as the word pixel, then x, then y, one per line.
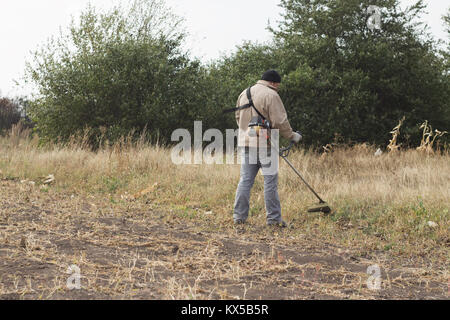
pixel 393 146
pixel 428 137
pixel 326 150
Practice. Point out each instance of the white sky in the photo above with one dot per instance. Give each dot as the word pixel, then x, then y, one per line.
pixel 215 27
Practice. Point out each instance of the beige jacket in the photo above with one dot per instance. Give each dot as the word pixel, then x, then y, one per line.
pixel 268 102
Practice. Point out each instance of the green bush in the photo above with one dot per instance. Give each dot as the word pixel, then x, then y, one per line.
pixel 344 79
pixel 114 73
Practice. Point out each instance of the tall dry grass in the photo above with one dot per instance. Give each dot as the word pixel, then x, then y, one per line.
pixel 385 202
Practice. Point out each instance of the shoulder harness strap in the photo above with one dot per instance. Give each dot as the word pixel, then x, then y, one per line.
pixel 245 106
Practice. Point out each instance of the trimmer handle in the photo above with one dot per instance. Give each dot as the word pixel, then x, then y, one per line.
pixel 284 152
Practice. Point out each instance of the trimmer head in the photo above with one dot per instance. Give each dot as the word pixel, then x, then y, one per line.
pixel 320 207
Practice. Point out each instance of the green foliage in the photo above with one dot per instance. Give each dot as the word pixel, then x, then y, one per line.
pixel 116 72
pixel 446 53
pixel 112 184
pixel 124 71
pixel 341 78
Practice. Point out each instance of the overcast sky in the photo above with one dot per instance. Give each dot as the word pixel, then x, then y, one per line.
pixel 215 27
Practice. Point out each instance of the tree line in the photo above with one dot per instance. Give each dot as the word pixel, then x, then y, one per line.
pixel 125 70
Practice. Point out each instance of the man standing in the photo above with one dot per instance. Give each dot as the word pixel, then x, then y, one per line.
pixel 268 107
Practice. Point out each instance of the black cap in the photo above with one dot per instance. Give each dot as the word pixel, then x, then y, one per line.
pixel 272 76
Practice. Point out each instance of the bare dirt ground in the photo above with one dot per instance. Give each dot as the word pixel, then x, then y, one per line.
pixel 132 252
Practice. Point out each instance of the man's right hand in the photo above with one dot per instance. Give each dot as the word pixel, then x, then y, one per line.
pixel 297 137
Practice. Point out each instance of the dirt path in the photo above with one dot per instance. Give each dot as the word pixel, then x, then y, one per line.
pixel 145 255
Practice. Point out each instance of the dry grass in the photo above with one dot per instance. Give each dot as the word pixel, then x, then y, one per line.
pixel 382 207
pixel 391 195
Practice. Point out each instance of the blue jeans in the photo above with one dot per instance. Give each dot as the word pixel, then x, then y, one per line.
pixel 251 162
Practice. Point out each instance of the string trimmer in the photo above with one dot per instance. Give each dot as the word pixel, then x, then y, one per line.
pixel 322 206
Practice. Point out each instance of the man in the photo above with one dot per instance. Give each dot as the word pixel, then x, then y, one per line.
pixel 268 104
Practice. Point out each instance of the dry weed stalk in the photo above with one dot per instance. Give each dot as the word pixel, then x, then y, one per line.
pixel 428 138
pixel 393 146
pixel 326 150
pixel 18 134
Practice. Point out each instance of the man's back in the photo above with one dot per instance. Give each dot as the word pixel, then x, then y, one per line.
pixel 266 99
